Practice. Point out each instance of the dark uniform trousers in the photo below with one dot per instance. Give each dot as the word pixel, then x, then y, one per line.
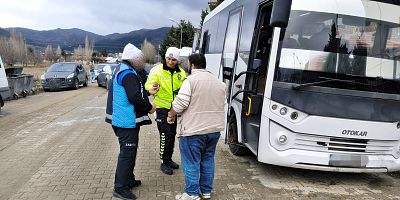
pixel 128 139
pixel 167 134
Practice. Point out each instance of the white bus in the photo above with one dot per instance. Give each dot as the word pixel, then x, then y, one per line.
pixel 312 84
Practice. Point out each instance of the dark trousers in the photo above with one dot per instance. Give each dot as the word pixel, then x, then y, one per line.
pixel 128 139
pixel 167 134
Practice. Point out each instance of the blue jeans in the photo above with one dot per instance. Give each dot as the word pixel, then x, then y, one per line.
pixel 197 158
pixel 92 76
pixel 128 139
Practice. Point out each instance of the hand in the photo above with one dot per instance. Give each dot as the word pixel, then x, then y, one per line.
pixel 170 119
pixel 153 109
pixel 154 89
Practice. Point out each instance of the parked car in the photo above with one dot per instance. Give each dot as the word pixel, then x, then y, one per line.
pixel 64 75
pixel 105 75
pixel 98 69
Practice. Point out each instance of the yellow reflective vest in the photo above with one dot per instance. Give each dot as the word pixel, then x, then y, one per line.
pixel 170 83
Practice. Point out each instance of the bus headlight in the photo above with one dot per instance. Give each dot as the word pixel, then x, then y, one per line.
pixel 291 114
pixel 283 111
pixel 294 115
pixel 396 152
pixel 281 138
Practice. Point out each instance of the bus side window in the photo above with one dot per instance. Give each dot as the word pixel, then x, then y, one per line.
pixel 205 43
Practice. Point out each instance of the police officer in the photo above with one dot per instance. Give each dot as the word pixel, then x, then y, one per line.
pixel 127 109
pixel 164 82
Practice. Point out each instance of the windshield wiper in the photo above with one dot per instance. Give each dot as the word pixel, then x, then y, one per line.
pixel 305 85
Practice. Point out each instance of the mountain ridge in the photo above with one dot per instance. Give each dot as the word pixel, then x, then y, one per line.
pixel 68 39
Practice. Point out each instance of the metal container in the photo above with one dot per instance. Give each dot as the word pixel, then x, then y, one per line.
pixel 20 85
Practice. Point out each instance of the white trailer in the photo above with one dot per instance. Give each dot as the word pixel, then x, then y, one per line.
pixel 313 84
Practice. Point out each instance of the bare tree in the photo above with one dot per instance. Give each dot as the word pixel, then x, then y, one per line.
pixel 58 52
pixel 48 53
pixel 149 51
pixel 85 53
pixel 6 51
pixel 34 57
pixel 78 53
pixel 13 50
pixel 88 51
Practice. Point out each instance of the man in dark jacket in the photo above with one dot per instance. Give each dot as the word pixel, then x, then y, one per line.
pixel 127 109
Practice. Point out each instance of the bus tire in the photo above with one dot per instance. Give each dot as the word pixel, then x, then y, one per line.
pixel 235 147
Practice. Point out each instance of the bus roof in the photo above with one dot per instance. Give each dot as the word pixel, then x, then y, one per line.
pixel 360 8
pixel 395 2
pixel 226 3
pixel 220 7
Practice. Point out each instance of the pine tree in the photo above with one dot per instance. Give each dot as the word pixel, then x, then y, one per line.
pixel 174 35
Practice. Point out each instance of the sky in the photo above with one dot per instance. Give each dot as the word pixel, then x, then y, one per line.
pixel 99 16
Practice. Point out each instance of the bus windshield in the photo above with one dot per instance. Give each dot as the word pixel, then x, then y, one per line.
pixel 317 46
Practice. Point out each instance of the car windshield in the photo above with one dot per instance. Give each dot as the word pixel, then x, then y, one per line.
pixel 343 47
pixel 62 67
pixel 113 66
pixel 100 67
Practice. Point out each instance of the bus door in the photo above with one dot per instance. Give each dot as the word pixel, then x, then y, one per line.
pixel 230 55
pixel 253 100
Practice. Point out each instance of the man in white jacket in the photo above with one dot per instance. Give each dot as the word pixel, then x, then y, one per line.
pixel 200 102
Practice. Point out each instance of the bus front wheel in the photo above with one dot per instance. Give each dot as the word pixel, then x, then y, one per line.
pixel 235 147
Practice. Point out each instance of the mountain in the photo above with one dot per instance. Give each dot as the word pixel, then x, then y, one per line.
pixel 68 39
pixel 4 33
pixel 116 42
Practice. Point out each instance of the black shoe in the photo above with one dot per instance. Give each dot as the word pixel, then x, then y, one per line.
pixel 166 169
pixel 172 164
pixel 135 183
pixel 124 194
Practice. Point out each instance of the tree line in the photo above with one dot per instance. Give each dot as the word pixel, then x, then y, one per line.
pixel 188 31
pixel 14 49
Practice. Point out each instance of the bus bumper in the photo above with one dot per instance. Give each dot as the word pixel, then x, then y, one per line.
pixel 320 157
pixel 322 161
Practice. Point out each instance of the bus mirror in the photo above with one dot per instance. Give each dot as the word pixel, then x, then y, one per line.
pixel 256 63
pixel 280 13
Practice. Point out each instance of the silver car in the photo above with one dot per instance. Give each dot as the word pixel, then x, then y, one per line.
pixel 105 74
pixel 64 75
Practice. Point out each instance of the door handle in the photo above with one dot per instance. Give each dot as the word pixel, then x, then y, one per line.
pixel 249 109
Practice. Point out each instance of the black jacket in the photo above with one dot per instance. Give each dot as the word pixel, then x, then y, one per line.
pixel 137 95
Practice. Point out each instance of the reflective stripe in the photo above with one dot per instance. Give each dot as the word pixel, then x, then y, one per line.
pixel 138 120
pixel 165 103
pixel 143 118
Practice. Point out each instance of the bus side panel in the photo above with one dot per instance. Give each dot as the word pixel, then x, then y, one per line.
pixel 213 63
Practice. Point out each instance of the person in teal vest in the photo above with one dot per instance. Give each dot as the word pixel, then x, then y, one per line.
pixel 127 109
